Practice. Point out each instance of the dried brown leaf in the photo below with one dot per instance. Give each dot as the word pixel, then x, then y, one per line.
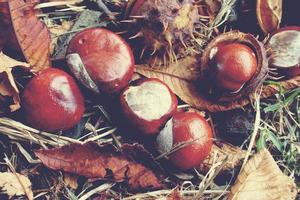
pixel 181 78
pixel 222 151
pixel 8 87
pixel 104 162
pixel 71 180
pixel 269 14
pixel 26 32
pixel 15 185
pixel 262 179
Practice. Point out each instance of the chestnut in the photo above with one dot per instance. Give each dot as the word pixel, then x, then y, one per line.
pixel 101 60
pixel 147 104
pixel 52 101
pixel 233 65
pixel 191 134
pixel 284 47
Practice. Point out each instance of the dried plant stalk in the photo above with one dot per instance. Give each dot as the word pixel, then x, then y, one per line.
pixel 19 131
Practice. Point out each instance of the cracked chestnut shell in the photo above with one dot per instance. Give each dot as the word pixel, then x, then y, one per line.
pixel 147 104
pixel 284 54
pixel 233 65
pixel 193 132
pixel 52 101
pixel 101 60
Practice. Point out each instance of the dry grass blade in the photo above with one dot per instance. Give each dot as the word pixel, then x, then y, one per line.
pixel 223 15
pixel 256 128
pixel 262 179
pixel 99 189
pixel 57 3
pixel 221 151
pixel 19 131
pixel 210 176
pixel 163 194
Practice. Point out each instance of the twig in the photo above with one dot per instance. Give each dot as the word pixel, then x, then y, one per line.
pixel 164 193
pixel 57 3
pixel 99 189
pixel 255 130
pixel 11 167
pixel 26 154
pixel 20 131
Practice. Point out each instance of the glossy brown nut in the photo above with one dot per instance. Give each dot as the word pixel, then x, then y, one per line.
pixel 233 65
pixel 233 85
pixel 52 101
pixel 106 57
pixel 148 104
pixel 192 131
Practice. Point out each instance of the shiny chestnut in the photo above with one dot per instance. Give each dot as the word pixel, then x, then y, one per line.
pixel 190 136
pixel 232 65
pixel 148 104
pixel 52 101
pixel 101 60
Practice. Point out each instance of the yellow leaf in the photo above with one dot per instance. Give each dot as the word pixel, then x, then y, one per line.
pixel 15 185
pixel 8 86
pixel 261 179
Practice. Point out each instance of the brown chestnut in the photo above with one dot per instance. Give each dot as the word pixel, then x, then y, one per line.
pixel 52 101
pixel 101 60
pixel 233 65
pixel 191 134
pixel 148 104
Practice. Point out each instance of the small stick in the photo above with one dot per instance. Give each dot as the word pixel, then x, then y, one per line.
pixel 256 128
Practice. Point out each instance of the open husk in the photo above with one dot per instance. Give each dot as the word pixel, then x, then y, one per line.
pixel 257 79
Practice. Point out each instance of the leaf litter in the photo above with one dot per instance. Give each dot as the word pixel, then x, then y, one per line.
pixel 105 162
pixel 178 78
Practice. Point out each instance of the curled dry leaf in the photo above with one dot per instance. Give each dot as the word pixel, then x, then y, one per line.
pixel 269 14
pixel 15 185
pixel 262 179
pixel 8 87
pixel 182 76
pixel 223 151
pixel 104 162
pixel 25 32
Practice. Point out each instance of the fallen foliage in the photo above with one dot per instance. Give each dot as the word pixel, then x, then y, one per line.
pixel 25 32
pixel 103 162
pixel 262 179
pixel 15 185
pixel 8 87
pixel 181 77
